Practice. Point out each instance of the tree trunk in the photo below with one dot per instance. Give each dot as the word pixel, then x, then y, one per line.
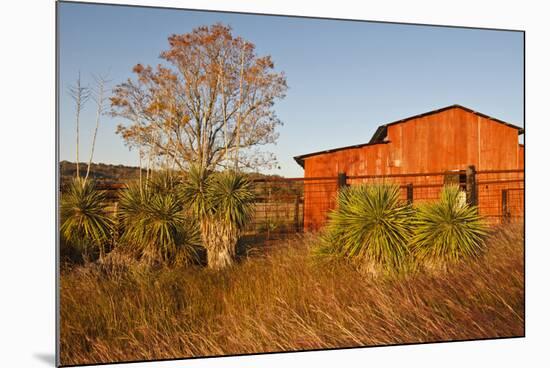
pixel 219 259
pixel 220 241
pixel 239 112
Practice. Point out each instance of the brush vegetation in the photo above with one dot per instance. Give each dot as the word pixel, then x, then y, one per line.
pixel 447 230
pixel 85 224
pixel 155 224
pixel 280 300
pixel 371 226
pixel 379 233
pixel 148 298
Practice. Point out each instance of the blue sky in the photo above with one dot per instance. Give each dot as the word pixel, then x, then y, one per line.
pixel 345 78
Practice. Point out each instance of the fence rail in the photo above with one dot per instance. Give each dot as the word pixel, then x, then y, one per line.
pixel 289 205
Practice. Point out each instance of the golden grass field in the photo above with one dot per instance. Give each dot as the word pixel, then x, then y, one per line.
pixel 278 299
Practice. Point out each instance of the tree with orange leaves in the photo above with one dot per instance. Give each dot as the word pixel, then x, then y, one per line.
pixel 210 103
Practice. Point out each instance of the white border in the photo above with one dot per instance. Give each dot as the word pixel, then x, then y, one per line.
pixel 27 152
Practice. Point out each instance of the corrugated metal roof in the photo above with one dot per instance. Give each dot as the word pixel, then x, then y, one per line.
pixel 380 134
pixel 300 159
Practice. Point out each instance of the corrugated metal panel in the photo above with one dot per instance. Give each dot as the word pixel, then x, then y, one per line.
pixel 450 139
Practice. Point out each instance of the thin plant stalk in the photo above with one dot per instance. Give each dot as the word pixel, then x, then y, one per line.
pixel 99 99
pixel 80 95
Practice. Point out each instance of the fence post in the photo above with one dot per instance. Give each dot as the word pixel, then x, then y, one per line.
pixel 297 213
pixel 342 180
pixel 471 186
pixel 505 213
pixel 410 193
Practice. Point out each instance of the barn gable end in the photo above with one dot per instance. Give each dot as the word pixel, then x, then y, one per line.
pixel 446 139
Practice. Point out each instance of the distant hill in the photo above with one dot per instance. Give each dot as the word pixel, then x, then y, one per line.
pixel 111 174
pixel 102 173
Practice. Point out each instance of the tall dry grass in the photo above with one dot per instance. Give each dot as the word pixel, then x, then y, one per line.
pixel 280 300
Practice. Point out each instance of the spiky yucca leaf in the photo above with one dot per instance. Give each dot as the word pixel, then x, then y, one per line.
pixel 448 230
pixel 164 182
pixel 226 196
pixel 155 222
pixel 370 224
pixel 166 228
pixel 133 200
pixel 132 203
pixel 230 196
pixel 84 221
pixel 194 192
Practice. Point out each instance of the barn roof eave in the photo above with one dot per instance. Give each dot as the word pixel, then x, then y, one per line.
pixel 300 159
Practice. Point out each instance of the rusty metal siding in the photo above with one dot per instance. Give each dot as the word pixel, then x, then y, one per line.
pixel 448 140
pixel 521 156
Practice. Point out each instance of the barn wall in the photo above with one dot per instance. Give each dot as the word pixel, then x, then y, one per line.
pixel 320 196
pixel 521 156
pixel 373 159
pixel 452 140
pixel 449 140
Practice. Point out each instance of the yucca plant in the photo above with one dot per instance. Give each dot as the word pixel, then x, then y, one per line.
pixel 85 223
pixel 132 202
pixel 223 203
pixel 448 230
pixel 194 192
pixel 164 181
pixel 155 223
pixel 370 226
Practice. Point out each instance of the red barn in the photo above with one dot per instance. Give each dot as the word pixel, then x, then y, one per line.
pixel 440 141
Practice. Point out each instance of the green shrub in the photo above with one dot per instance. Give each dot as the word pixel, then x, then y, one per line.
pixel 155 223
pixel 448 230
pixel 85 224
pixel 371 226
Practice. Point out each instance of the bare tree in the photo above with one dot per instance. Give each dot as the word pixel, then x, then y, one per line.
pixel 98 96
pixel 80 95
pixel 211 105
